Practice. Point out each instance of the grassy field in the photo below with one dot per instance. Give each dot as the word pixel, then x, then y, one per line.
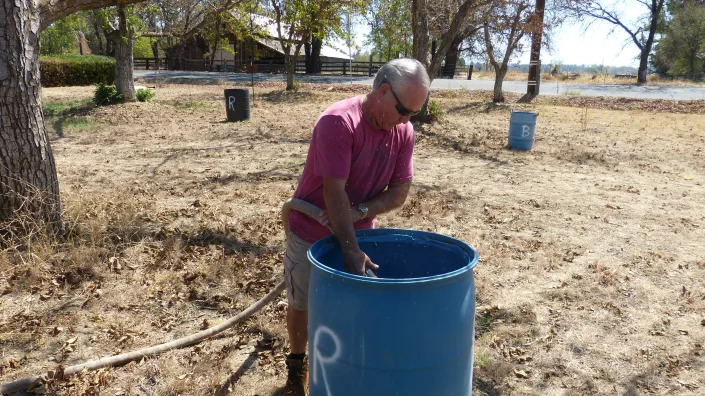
pixel 591 277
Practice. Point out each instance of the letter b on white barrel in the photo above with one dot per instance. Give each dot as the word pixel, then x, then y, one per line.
pixel 522 126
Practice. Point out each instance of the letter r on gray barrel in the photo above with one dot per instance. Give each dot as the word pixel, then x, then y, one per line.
pixel 237 104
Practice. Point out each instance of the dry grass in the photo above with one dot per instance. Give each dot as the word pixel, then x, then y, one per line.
pixel 585 78
pixel 591 271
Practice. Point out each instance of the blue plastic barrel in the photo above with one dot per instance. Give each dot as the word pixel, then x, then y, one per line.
pixel 408 332
pixel 522 125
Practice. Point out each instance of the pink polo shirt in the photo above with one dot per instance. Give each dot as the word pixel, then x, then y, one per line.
pixel 346 146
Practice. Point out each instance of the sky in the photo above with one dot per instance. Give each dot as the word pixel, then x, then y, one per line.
pixel 594 44
pixel 578 44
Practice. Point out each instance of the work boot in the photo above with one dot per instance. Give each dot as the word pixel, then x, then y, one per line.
pixel 297 378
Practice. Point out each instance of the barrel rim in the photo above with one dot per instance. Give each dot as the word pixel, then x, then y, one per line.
pixel 386 231
pixel 526 112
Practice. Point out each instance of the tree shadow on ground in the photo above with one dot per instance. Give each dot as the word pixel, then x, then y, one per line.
pixel 270 175
pixel 479 106
pixel 485 387
pixel 230 245
pixel 227 386
pixel 267 344
pixel 59 118
pixel 470 106
pixel 178 153
pixel 647 381
pixel 288 96
pixel 448 143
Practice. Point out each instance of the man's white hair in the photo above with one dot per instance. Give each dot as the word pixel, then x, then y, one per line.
pixel 399 73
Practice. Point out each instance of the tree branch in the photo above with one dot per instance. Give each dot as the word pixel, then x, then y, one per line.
pixel 595 10
pixel 51 11
pixel 489 46
pixel 450 35
pixel 517 30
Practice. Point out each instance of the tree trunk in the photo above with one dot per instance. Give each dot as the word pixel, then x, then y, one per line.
pixel 27 171
pixel 535 59
pixel 316 44
pixel 312 49
pixel 500 73
pixel 108 44
pixel 448 37
pixel 452 58
pixel 419 22
pixel 646 51
pixel 175 55
pixel 643 64
pixel 290 68
pixel 155 49
pixel 307 57
pixel 28 181
pixel 124 63
pixel 214 48
pixel 98 29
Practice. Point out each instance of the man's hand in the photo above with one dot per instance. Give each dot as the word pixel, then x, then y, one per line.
pixel 356 263
pixel 338 215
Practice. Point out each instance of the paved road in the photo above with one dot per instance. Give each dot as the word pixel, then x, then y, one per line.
pixel 547 88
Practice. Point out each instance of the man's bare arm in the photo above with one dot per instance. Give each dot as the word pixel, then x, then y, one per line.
pixel 341 223
pixel 386 201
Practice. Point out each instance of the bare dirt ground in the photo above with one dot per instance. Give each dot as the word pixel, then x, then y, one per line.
pixel 592 263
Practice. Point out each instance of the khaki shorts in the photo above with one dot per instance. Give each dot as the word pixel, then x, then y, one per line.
pixel 297 270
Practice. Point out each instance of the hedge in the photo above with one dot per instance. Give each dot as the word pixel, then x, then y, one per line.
pixel 67 70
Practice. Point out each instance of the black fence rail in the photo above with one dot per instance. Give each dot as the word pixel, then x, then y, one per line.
pixel 273 66
pixel 276 66
pixel 459 72
pixel 150 63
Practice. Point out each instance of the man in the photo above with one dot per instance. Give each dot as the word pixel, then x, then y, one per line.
pixel 359 165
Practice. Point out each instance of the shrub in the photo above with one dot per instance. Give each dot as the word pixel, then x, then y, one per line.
pixel 68 70
pixel 106 95
pixel 435 112
pixel 144 94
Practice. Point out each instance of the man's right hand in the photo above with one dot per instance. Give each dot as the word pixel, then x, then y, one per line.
pixel 357 261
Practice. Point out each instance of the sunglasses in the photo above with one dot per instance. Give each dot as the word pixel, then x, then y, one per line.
pixel 403 111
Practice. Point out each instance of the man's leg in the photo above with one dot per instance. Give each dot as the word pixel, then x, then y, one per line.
pixel 297 325
pixel 297 271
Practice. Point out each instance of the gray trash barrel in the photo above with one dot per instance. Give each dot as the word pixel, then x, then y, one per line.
pixel 237 104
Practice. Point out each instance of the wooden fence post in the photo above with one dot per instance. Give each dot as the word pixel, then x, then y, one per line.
pixel 344 73
pixel 369 70
pixel 470 71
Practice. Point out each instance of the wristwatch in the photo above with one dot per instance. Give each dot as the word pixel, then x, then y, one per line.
pixel 363 209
